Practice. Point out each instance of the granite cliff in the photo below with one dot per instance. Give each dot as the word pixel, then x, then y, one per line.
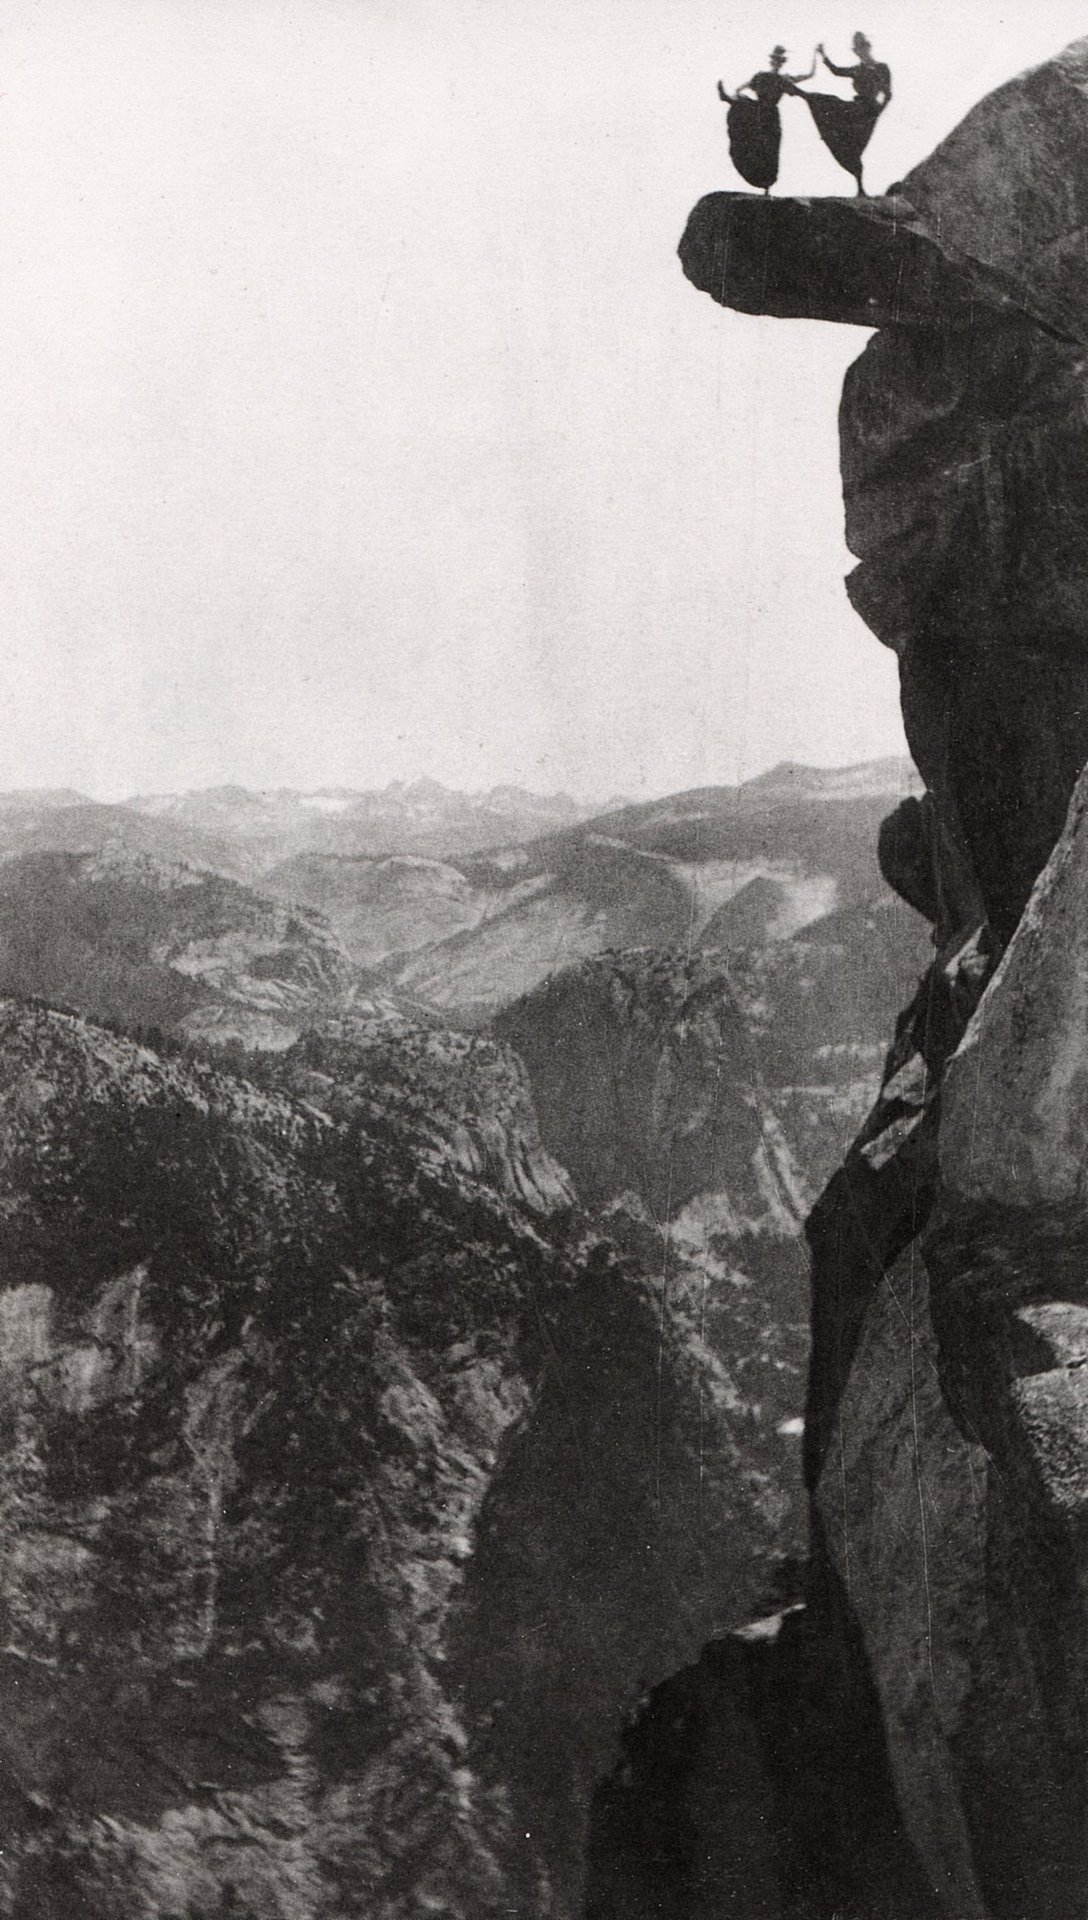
pixel 945 1425
pixel 311 1602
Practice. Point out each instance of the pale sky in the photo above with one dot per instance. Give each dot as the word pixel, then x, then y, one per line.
pixel 359 423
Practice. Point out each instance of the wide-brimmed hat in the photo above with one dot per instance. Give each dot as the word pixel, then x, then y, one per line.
pixel 778 53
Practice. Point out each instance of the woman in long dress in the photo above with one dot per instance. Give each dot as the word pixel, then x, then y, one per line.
pixel 845 126
pixel 754 126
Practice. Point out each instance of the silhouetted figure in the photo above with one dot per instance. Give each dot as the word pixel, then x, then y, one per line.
pixel 754 126
pixel 845 126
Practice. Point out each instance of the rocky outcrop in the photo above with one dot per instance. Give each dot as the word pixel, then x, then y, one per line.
pixel 871 262
pixel 736 1075
pixel 349 1496
pixel 456 1100
pixel 945 1430
pixel 964 448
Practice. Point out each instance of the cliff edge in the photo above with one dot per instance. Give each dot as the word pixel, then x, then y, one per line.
pixel 946 1454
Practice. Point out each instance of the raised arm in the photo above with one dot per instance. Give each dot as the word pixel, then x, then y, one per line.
pixel 729 98
pixel 795 79
pixel 844 73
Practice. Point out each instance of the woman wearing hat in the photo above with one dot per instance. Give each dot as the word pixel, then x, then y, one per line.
pixel 753 123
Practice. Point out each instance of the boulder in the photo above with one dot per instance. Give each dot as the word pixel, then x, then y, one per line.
pixel 1006 194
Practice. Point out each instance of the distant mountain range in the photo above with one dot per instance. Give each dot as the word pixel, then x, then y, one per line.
pixel 422 817
pixel 718 867
pixel 245 833
pixel 465 902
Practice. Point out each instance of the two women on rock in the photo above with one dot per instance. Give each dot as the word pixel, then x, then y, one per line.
pixel 844 126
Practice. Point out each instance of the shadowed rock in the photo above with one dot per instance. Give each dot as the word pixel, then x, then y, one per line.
pixel 868 262
pixel 1006 194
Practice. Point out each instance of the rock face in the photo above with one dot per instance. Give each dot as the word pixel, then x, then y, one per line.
pixel 945 1432
pixel 309 1605
pixel 1010 1308
pixel 701 1101
pixel 948 1420
pixel 739 1071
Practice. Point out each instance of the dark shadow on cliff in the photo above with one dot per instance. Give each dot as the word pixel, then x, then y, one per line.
pixel 754 1785
pixel 626 1521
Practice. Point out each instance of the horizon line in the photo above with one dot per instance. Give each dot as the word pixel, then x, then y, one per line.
pixel 68 794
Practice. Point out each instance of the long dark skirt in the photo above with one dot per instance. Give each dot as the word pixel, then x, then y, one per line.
pixel 844 126
pixel 755 135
